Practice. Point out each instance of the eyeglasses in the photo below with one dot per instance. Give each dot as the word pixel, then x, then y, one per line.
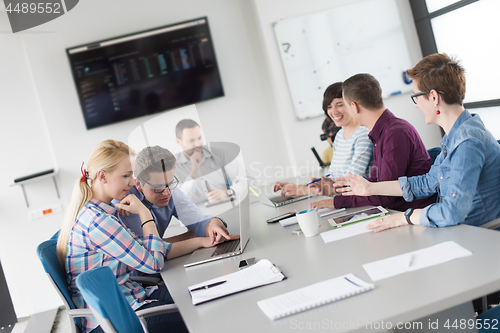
pixel 160 188
pixel 414 96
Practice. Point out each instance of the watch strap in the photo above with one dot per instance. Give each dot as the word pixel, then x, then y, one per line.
pixel 408 213
pixel 223 222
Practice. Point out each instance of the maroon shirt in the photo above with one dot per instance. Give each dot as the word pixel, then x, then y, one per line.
pixel 397 151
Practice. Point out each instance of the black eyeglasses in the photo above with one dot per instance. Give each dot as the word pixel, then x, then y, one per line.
pixel 160 188
pixel 414 96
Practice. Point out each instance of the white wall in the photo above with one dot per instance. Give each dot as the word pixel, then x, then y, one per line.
pixel 37 88
pixel 43 127
pixel 300 136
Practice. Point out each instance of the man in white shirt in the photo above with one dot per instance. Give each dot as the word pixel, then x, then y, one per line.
pixel 211 172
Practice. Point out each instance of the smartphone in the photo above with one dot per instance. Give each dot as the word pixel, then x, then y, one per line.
pixel 280 217
pixel 246 262
pixel 208 186
pixel 358 216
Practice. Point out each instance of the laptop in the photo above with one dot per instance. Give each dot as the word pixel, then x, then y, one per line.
pixel 278 201
pixel 241 213
pixel 320 161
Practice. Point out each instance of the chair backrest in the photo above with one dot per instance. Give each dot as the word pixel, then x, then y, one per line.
pixel 56 235
pixel 434 152
pixel 47 253
pixel 491 316
pixel 107 301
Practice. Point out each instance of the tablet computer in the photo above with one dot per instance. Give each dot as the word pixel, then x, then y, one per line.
pixel 357 216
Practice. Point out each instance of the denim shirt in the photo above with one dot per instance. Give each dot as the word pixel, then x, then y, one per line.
pixel 466 174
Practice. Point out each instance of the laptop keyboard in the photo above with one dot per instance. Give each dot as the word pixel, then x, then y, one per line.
pixel 226 247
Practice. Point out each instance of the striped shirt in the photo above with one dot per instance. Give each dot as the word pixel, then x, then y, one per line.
pixel 100 238
pixel 352 155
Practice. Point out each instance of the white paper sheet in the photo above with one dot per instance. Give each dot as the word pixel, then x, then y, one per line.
pixel 415 260
pixel 289 221
pixel 346 231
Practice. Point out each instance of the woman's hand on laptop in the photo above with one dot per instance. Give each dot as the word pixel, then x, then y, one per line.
pixel 278 186
pixel 327 203
pixel 288 189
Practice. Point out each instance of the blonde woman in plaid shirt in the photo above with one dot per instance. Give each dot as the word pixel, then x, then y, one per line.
pixel 94 235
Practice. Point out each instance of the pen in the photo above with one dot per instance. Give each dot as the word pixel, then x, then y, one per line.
pixel 209 285
pixel 317 180
pixel 352 282
pixel 411 260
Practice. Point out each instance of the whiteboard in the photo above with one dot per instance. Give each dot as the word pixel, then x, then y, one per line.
pixel 320 49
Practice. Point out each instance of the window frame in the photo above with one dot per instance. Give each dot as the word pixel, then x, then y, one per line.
pixel 422 19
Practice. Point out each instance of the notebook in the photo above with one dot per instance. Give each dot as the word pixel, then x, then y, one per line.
pixel 240 213
pixel 313 296
pixel 260 274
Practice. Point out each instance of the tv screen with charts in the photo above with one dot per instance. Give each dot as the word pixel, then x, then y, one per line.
pixel 145 72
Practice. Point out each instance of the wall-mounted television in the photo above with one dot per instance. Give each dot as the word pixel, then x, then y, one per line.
pixel 146 72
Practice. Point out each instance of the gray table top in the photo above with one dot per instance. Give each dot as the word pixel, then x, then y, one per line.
pixel 402 298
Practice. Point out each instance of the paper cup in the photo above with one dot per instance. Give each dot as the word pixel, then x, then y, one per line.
pixel 309 222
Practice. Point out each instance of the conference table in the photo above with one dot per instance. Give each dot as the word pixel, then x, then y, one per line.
pixel 419 298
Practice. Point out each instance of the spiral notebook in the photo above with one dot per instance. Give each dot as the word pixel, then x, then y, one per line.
pixel 313 296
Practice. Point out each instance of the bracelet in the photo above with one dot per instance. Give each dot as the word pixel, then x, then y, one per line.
pixel 142 225
pixel 223 222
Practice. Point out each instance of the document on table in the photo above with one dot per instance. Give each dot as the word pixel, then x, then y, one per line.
pixel 260 274
pixel 313 296
pixel 346 231
pixel 415 260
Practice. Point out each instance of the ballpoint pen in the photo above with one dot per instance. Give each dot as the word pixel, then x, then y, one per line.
pixel 411 260
pixel 209 285
pixel 317 180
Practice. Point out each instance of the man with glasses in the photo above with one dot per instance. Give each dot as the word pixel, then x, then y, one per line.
pixel 398 150
pixel 156 187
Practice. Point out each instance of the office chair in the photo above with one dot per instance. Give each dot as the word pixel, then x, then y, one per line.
pixel 433 153
pixel 144 280
pixel 47 253
pixel 106 300
pixel 488 319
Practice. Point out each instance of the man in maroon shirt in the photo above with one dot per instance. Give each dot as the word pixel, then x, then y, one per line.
pixel 398 150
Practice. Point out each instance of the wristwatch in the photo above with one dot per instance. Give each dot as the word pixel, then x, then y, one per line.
pixel 223 222
pixel 408 213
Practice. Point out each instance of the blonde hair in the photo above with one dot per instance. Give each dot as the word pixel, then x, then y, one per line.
pixel 105 156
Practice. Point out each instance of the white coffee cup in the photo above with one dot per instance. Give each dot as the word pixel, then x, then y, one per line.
pixel 309 222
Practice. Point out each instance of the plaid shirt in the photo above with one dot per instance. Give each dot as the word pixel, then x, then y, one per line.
pixel 100 238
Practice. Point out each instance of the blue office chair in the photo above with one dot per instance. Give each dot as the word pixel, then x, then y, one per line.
pixel 491 317
pixel 434 152
pixel 106 300
pixel 47 253
pixel 56 235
